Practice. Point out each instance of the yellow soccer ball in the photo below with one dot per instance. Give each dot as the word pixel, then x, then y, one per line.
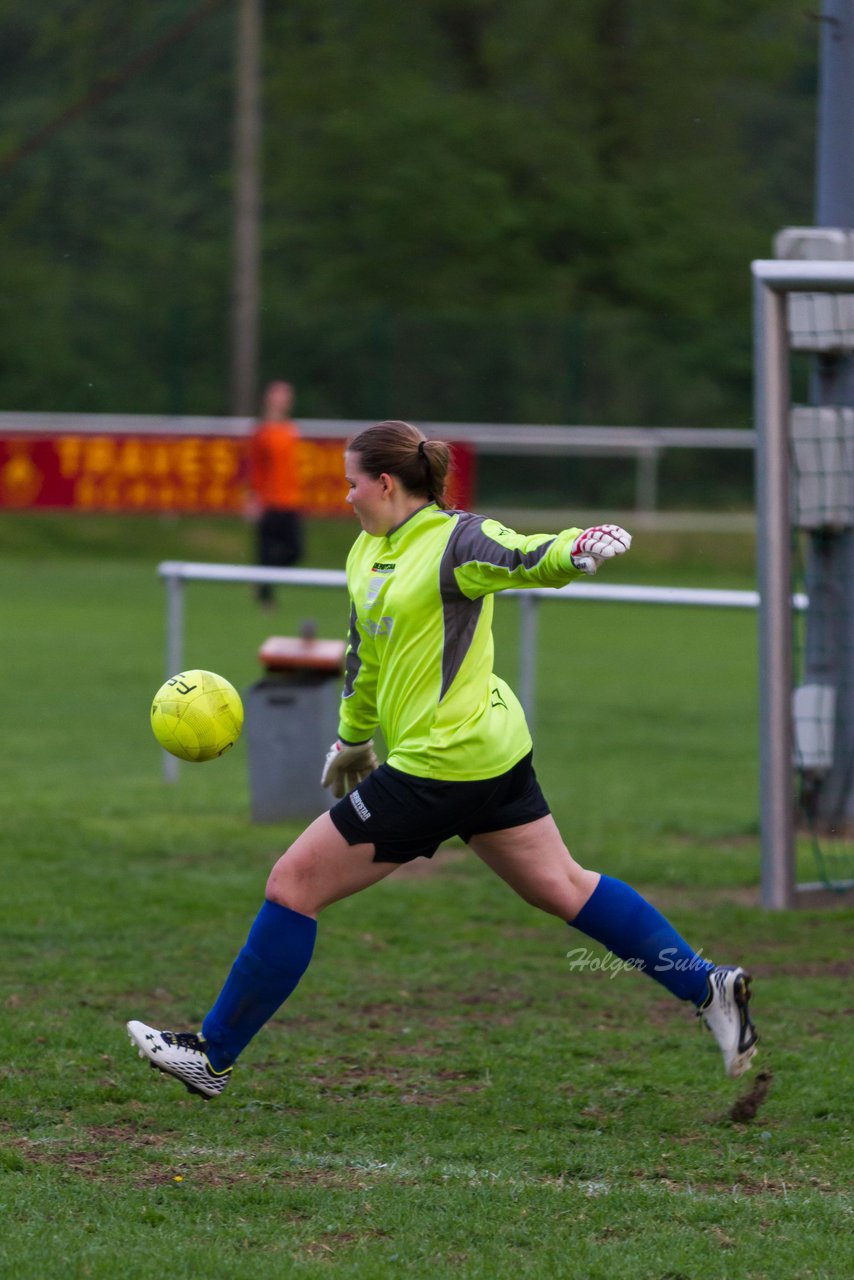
pixel 197 715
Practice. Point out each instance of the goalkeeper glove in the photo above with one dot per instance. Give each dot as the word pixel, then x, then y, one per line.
pixel 347 763
pixel 602 542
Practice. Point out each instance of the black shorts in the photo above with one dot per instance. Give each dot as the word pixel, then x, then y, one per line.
pixel 405 817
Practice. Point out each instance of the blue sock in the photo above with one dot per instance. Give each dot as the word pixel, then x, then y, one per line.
pixel 630 927
pixel 276 955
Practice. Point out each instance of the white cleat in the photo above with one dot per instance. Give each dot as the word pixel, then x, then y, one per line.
pixel 725 1013
pixel 180 1054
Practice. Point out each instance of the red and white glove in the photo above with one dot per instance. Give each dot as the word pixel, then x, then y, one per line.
pixel 347 763
pixel 602 542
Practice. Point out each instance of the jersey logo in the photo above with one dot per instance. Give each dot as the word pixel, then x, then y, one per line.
pixel 380 574
pixel 497 700
pixel 381 628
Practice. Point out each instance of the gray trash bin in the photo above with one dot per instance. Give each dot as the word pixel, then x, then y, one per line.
pixel 291 718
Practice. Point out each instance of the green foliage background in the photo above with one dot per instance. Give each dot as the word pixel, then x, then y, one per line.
pixel 472 209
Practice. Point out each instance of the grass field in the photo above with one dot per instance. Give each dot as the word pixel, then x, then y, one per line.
pixel 444 1095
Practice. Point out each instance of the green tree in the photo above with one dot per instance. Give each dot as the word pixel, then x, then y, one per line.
pixel 472 208
pixel 115 231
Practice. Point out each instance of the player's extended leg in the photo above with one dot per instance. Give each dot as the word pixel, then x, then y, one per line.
pixel 534 861
pixel 318 869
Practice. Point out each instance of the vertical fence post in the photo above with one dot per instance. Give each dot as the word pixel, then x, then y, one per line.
pixel 528 654
pixel 174 651
pixel 646 480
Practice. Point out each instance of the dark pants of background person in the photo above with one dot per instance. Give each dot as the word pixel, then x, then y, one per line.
pixel 279 544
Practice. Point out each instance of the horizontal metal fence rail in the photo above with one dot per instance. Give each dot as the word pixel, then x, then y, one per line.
pixel 525 437
pixel 175 573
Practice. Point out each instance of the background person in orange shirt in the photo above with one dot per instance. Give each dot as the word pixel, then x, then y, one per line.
pixel 274 498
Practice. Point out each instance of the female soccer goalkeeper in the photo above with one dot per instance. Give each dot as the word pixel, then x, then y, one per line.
pixel 419 665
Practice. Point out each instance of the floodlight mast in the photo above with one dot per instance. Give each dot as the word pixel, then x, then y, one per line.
pixel 834 204
pixel 829 553
pixel 247 210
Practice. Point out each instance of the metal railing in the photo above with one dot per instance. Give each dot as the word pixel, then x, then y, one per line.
pixel 176 572
pixel 644 444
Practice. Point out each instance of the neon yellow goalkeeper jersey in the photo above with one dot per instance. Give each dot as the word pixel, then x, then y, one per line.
pixel 420 654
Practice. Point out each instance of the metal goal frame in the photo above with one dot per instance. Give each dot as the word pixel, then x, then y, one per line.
pixel 773 281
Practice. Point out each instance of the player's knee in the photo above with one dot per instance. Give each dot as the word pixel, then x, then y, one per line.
pixel 551 894
pixel 289 885
pixel 560 895
pixel 297 898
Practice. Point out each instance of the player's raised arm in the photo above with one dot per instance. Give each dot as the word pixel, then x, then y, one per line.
pixel 486 556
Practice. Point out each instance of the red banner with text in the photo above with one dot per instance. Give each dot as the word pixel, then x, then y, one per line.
pixel 151 473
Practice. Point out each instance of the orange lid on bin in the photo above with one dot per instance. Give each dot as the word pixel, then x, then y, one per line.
pixel 297 653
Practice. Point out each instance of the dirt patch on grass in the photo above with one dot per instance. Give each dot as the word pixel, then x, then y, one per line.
pixel 741 1185
pixel 91 1162
pixel 209 1173
pixel 100 1165
pixel 86 1163
pixel 403 1082
pixel 127 1134
pixel 745 1108
pixel 199 1175
pixel 488 1004
pixel 334 1241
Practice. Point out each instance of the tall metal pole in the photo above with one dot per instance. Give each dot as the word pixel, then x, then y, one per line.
pixel 829 635
pixel 835 149
pixel 834 181
pixel 247 205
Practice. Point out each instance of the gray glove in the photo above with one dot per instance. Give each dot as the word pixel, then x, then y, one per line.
pixel 347 763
